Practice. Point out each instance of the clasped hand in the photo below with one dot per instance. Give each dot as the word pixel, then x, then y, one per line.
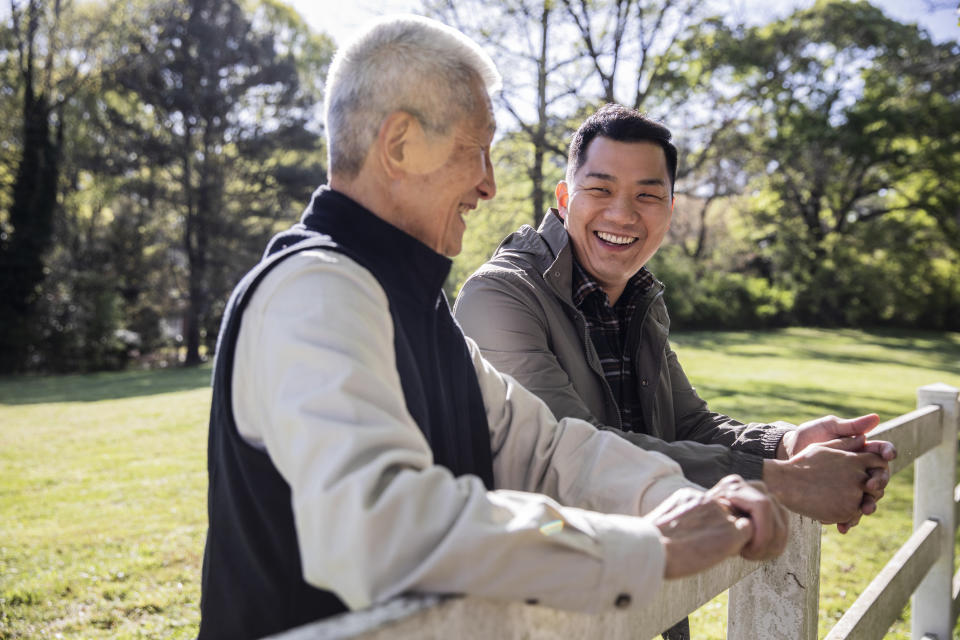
pixel 827 470
pixel 699 529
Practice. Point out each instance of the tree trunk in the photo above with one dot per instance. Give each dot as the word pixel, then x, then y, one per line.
pixel 540 140
pixel 30 218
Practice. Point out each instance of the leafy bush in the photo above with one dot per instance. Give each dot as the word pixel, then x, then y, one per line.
pixel 703 298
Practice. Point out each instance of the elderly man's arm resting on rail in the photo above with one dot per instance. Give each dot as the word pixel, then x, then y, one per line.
pixel 376 518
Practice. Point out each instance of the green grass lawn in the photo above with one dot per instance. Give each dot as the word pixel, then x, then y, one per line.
pixel 103 477
pixel 799 374
pixel 102 491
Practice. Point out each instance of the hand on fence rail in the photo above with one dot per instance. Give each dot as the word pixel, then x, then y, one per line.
pixel 826 469
pixel 699 530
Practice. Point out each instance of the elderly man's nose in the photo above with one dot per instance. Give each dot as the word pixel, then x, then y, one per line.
pixel 488 186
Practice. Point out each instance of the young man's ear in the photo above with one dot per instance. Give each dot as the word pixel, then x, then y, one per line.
pixel 563 199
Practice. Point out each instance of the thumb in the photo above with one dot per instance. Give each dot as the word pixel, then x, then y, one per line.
pixel 744 531
pixel 856 426
pixel 851 443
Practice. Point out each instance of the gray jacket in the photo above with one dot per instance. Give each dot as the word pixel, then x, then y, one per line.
pixel 518 307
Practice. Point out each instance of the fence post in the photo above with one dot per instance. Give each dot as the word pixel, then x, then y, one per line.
pixel 934 480
pixel 780 600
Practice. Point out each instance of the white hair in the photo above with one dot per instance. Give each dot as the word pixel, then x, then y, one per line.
pixel 400 63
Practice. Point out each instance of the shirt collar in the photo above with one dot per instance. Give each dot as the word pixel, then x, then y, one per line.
pixel 586 287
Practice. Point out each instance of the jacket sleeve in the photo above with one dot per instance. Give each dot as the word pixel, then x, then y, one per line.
pixel 509 324
pixel 316 386
pixel 751 442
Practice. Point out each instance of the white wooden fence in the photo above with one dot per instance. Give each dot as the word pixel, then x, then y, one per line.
pixel 773 600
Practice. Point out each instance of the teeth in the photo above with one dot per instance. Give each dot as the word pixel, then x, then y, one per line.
pixel 609 237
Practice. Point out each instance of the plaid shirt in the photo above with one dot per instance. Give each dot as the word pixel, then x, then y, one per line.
pixel 609 327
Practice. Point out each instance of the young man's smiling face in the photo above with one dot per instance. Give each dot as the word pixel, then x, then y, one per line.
pixel 617 209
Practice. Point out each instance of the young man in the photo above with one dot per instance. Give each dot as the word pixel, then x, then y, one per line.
pixel 571 312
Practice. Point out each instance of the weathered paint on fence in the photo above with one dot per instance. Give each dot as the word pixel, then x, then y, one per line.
pixel 934 484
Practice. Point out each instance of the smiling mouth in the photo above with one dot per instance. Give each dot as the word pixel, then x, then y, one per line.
pixel 610 238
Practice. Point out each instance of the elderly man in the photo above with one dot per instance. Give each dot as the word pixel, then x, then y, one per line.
pixel 571 312
pixel 361 448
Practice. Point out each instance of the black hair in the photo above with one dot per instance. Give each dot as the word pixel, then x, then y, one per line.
pixel 623 125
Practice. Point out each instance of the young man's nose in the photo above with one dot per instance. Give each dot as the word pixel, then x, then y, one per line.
pixel 621 210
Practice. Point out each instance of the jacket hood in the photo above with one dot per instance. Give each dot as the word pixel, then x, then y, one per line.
pixel 541 248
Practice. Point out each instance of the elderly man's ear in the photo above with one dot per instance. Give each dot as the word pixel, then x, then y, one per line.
pixel 404 148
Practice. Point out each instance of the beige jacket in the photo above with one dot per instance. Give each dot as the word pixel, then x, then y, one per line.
pixel 315 385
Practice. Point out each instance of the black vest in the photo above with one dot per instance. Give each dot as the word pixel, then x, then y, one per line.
pixel 252 579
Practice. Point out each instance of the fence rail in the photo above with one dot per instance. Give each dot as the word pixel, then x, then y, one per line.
pixel 777 599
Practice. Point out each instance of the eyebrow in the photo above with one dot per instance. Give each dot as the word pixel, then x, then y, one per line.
pixel 610 178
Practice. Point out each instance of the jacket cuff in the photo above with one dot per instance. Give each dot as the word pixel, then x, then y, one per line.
pixel 634 562
pixel 771 437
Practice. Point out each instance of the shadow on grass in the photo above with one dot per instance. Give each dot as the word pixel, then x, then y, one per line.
pixel 92 387
pixel 933 350
pixel 816 400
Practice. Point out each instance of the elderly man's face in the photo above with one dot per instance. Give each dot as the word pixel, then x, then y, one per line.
pixel 448 193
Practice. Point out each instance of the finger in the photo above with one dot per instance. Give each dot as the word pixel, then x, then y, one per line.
pixel 774 546
pixel 882 448
pixel 846 443
pixel 744 530
pixel 730 482
pixel 871 461
pixel 874 495
pixel 869 505
pixel 844 527
pixel 759 508
pixel 855 520
pixel 877 481
pixel 856 426
pixel 744 527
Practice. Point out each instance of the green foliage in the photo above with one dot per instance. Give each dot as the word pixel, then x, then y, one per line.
pixel 183 148
pixel 854 105
pixel 495 219
pixel 217 93
pixel 822 148
pixel 712 298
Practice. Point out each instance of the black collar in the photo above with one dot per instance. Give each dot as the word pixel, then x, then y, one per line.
pixel 399 261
